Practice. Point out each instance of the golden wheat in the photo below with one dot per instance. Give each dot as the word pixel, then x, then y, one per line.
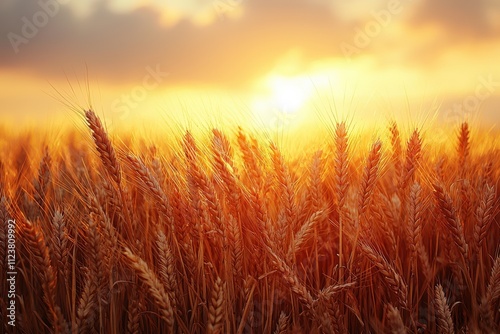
pixel 239 234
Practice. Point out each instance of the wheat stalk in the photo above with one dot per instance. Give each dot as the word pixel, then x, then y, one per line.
pixel 341 184
pixel 200 215
pixel 341 164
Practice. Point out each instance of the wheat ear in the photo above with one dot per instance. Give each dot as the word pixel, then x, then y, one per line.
pixel 4 216
pixel 95 278
pixel 304 233
pixel 234 236
pixel 252 167
pixel 290 277
pixel 199 182
pixel 327 310
pixel 369 179
pixel 60 243
pixel 103 145
pixel 282 327
pixel 414 226
pixel 166 267
pixel 492 294
pixel 287 195
pixel 315 195
pixel 135 308
pixel 463 160
pixel 394 321
pixel 450 220
pixel 225 168
pixel 156 289
pixel 393 280
pixel 37 245
pixel 87 304
pixel 397 150
pixel 413 153
pixel 443 313
pixel 249 285
pixel 150 183
pixel 44 177
pixel 216 310
pixel 485 215
pixel 463 148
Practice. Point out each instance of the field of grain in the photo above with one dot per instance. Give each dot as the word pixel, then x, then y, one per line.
pixel 226 232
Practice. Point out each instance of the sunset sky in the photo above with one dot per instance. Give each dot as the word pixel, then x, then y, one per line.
pixel 263 59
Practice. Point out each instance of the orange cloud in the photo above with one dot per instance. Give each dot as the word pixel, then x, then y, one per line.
pixel 117 47
pixel 447 43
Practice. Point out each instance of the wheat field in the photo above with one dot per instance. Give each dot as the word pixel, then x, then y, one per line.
pixel 227 232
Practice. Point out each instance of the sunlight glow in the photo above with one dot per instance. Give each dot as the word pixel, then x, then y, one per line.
pixel 290 94
pixel 282 99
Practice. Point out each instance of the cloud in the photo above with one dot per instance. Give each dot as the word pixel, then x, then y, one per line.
pixel 460 18
pixel 117 47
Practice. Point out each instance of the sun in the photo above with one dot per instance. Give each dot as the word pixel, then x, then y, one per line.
pixel 289 94
pixel 282 99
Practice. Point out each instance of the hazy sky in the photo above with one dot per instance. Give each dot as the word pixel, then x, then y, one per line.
pixel 144 57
